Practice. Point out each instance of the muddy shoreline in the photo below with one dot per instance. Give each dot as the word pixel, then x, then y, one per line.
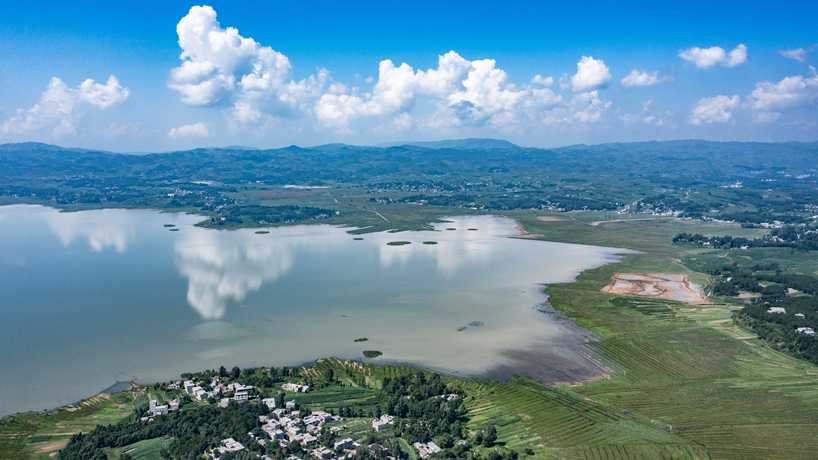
pixel 567 359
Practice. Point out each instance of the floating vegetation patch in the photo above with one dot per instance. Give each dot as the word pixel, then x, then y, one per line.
pixel 451 229
pixel 358 238
pixel 473 229
pixel 262 232
pixel 169 225
pixel 361 339
pixel 430 242
pixel 173 229
pixel 372 353
pixel 398 243
pixel 471 324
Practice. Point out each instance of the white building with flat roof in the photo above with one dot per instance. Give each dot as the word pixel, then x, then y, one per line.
pixel 806 331
pixel 427 449
pixel 382 421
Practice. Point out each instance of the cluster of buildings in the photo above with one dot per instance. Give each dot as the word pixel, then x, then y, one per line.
pixel 426 449
pixel 155 409
pixel 215 389
pixel 808 331
pixel 286 425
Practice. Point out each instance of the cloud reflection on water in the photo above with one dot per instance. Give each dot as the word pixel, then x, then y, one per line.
pixel 223 267
pixel 101 230
pixel 455 249
pixel 226 266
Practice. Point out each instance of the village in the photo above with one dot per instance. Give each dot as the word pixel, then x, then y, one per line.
pixel 285 425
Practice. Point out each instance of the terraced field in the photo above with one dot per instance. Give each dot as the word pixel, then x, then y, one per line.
pixel 556 423
pixel 686 382
pixel 42 434
pixel 143 450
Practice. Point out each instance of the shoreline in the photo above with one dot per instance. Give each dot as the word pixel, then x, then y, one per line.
pixel 538 361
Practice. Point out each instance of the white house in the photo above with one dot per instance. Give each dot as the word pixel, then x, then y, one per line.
pixel 346 443
pixel 230 445
pixel 322 453
pixel 382 421
pixel 295 388
pixel 776 310
pixel 806 331
pixel 426 449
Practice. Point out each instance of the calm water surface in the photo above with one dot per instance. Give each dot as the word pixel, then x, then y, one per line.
pixel 89 298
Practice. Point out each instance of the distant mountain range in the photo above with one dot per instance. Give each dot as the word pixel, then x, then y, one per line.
pixel 468 143
pixel 445 144
pixel 750 182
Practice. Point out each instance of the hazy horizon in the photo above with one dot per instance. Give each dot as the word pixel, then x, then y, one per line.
pixel 394 144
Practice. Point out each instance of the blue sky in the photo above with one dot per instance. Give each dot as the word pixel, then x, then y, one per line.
pixel 312 72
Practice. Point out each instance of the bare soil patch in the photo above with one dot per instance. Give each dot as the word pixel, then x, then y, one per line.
pixel 49 447
pixel 597 223
pixel 667 286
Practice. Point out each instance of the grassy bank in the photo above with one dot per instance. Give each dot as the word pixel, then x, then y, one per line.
pixel 39 435
pixel 710 388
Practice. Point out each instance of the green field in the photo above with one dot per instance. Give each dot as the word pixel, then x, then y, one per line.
pixel 685 381
pixel 143 450
pixel 39 435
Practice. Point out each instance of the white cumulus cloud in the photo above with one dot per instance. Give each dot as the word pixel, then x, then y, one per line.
pixel 588 107
pixel 60 106
pixel 770 99
pixel 705 58
pixel 591 74
pixel 461 91
pixel 542 80
pixel 716 109
pixel 195 130
pixel 639 77
pixel 220 67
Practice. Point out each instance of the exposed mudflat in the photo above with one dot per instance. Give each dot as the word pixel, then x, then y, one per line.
pixel 667 286
pixel 568 358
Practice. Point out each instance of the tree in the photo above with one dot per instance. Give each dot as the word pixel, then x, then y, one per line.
pixel 222 371
pixel 235 372
pixel 489 436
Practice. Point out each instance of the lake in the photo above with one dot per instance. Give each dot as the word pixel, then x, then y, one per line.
pixel 94 297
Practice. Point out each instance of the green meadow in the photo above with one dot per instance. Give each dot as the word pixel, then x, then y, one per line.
pixel 685 381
